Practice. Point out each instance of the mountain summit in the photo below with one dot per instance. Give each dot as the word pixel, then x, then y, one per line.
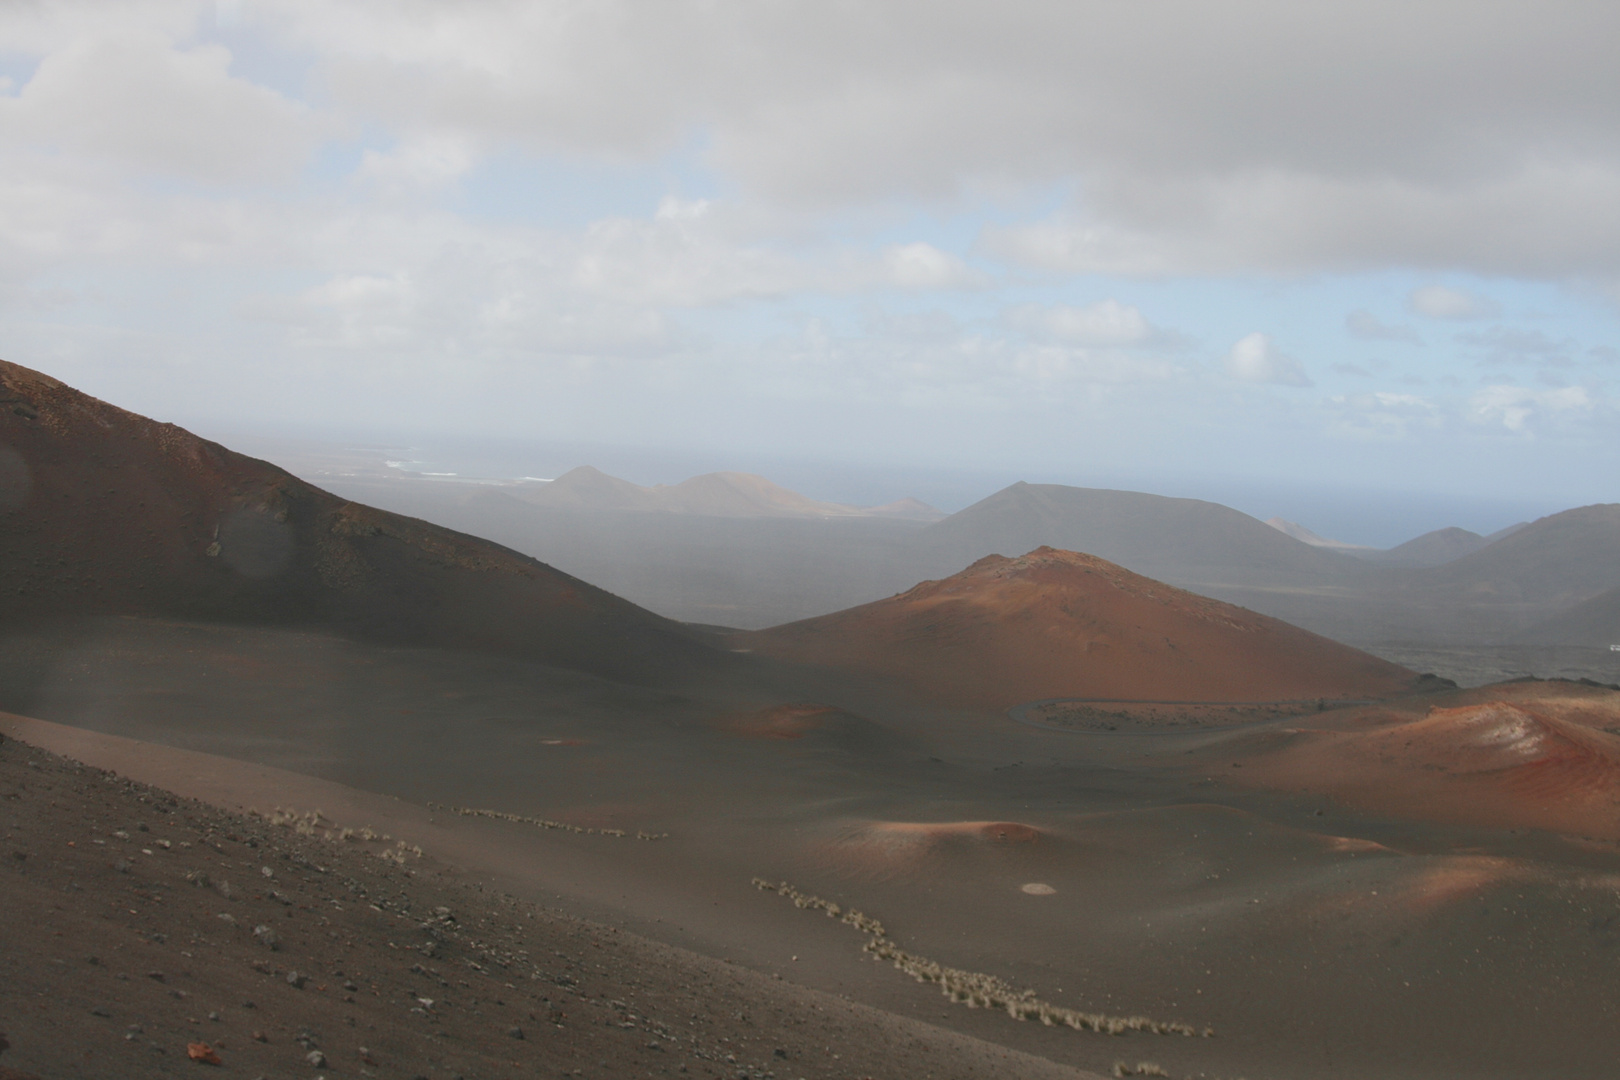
pixel 1059 624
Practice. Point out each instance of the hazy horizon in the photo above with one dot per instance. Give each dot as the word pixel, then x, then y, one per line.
pixel 1359 515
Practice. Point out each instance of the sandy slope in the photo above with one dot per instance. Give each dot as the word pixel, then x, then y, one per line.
pixel 131 940
pixel 1057 624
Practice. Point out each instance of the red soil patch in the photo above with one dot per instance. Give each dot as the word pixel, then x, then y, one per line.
pixel 782 721
pixel 106 512
pixel 1057 624
pixel 889 845
pixel 1544 756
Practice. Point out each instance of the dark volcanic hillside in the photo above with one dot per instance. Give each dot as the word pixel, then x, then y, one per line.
pixel 106 512
pixel 1057 624
pixel 1431 549
pixel 1594 623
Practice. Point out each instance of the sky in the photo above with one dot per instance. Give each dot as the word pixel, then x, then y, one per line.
pixel 1351 255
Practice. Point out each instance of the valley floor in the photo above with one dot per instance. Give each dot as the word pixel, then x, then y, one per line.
pixel 1183 876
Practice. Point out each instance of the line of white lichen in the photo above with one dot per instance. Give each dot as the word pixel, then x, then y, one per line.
pixel 545 823
pixel 316 825
pixel 972 988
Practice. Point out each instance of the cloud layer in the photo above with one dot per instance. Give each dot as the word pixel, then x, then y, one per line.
pixel 1151 217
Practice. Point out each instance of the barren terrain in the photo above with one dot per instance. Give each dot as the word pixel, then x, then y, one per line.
pixel 146 933
pixel 920 834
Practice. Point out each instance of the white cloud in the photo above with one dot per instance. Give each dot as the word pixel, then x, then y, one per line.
pixel 688 254
pixel 1402 401
pixel 422 162
pixel 1053 363
pixel 1512 345
pixel 1443 302
pixel 1514 406
pixel 138 100
pixel 924 266
pixel 1214 147
pixel 1381 416
pixel 1254 358
pixel 1106 322
pixel 1363 324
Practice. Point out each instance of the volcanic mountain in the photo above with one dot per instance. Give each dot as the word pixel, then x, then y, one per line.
pixel 1057 624
pixel 103 512
pixel 1184 540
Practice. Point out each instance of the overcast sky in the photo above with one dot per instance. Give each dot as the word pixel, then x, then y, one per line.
pixel 1361 244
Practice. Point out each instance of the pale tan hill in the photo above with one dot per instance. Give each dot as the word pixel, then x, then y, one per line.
pixel 1057 624
pixel 1306 536
pixel 106 512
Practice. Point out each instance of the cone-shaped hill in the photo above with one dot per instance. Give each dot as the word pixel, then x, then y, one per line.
pixel 1057 624
pixel 103 512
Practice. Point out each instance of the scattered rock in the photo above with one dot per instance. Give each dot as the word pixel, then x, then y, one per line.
pixel 516 1032
pixel 315 1059
pixel 265 936
pixel 202 1053
pixel 296 981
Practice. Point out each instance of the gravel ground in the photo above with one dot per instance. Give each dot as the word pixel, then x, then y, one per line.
pixel 146 935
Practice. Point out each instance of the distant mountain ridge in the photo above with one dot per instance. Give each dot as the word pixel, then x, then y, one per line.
pixel 721 494
pixel 723 560
pixel 1181 541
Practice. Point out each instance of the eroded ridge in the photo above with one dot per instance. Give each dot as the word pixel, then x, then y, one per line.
pixel 546 823
pixel 975 989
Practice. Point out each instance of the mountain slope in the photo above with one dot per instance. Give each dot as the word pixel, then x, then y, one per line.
pixel 1431 549
pixel 1593 623
pixel 1557 561
pixel 106 512
pixel 1181 540
pixel 1057 624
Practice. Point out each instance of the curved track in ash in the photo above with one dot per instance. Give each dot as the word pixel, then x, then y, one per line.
pixel 1020 714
